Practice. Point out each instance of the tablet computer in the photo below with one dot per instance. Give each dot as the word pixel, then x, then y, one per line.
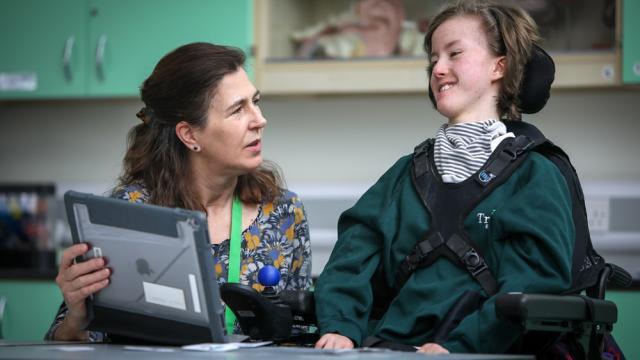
pixel 162 286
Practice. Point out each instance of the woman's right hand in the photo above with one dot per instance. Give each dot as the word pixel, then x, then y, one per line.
pixel 334 341
pixel 77 281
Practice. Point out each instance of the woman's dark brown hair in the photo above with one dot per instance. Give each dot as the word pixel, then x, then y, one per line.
pixel 181 88
pixel 510 31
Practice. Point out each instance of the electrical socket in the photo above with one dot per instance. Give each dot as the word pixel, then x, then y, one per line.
pixel 598 214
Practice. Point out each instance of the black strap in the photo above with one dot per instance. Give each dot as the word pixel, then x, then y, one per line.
pixel 595 339
pixel 496 165
pixel 421 157
pixel 457 250
pixel 371 341
pixel 474 263
pixel 423 254
pixel 467 303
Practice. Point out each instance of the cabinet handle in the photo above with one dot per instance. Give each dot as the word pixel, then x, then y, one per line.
pixel 66 57
pixel 3 304
pixel 100 48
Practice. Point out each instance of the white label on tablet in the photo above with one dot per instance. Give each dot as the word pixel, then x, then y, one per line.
pixel 164 295
pixel 194 293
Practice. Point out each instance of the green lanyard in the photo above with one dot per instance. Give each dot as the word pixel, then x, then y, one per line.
pixel 234 256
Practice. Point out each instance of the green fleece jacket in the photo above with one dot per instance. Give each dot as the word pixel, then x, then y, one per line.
pixel 524 228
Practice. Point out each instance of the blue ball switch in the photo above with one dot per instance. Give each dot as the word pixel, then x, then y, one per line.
pixel 269 276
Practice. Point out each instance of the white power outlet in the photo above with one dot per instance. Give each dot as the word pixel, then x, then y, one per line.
pixel 598 214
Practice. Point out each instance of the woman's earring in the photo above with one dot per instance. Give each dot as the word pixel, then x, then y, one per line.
pixel 196 148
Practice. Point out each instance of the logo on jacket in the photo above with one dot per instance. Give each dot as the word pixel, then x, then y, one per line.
pixel 485 176
pixel 484 218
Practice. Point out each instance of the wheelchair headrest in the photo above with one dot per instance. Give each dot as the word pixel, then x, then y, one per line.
pixel 536 83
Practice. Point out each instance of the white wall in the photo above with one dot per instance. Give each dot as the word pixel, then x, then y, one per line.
pixel 331 139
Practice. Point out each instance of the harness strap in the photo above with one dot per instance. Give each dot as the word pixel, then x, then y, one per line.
pixel 421 255
pixel 456 249
pixel 421 158
pixel 503 159
pixel 474 263
pixel 595 340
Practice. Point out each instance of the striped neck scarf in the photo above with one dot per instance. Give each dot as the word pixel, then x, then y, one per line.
pixel 460 150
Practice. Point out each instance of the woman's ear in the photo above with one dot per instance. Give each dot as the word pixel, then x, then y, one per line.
pixel 187 135
pixel 499 67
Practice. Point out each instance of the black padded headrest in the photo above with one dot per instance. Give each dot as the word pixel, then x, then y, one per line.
pixel 536 83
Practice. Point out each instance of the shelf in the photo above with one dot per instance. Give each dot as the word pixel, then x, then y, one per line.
pixel 583 70
pixel 348 76
pixel 596 69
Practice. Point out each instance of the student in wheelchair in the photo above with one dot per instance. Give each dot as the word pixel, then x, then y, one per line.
pixel 487 207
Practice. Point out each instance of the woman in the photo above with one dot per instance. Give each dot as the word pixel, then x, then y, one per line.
pixel 524 228
pixel 199 147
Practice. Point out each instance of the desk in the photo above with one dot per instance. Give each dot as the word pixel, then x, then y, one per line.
pixel 108 351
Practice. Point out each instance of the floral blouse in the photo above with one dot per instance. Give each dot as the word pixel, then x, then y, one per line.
pixel 279 236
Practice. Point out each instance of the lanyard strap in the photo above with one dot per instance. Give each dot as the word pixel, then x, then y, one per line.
pixel 234 256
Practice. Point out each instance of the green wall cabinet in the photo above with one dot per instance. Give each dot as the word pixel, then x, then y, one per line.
pixel 114 45
pixel 130 36
pixel 630 42
pixel 43 50
pixel 31 307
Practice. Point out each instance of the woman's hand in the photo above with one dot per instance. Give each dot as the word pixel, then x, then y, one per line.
pixel 432 348
pixel 77 281
pixel 334 341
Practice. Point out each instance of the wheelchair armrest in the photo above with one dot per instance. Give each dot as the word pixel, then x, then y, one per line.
pixel 538 312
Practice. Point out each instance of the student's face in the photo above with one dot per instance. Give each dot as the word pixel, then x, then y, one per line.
pixel 465 74
pixel 232 137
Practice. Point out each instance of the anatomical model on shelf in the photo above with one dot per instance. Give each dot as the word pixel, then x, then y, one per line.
pixel 370 28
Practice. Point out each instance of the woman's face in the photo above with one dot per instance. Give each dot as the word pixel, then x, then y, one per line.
pixel 231 140
pixel 465 74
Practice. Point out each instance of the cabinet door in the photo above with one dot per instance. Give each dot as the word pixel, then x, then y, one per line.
pixel 42 47
pixel 127 38
pixel 30 308
pixel 630 42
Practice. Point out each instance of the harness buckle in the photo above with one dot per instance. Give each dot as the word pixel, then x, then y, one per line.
pixel 511 153
pixel 518 150
pixel 474 263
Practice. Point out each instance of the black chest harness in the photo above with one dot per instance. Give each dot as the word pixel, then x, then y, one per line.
pixel 449 204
